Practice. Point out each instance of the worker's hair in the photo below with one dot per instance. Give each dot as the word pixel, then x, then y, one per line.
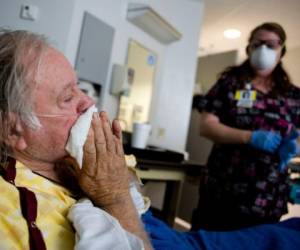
pixel 20 55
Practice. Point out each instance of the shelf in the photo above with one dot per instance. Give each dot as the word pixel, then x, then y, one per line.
pixel 152 23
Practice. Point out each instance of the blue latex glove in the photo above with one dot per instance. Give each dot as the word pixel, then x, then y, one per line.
pixel 288 149
pixel 265 140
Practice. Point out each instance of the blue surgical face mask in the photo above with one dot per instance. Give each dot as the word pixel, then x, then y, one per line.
pixel 263 58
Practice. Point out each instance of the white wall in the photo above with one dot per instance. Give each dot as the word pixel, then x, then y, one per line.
pixel 172 100
pixel 174 81
pixel 54 18
pixel 291 63
pixel 176 67
pixel 113 13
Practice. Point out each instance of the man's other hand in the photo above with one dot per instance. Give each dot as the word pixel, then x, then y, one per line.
pixel 104 175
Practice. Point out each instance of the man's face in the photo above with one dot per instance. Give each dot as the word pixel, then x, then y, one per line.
pixel 58 102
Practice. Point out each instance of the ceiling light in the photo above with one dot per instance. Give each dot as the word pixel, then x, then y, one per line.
pixel 232 33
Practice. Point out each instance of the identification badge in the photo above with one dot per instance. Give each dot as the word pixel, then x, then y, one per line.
pixel 245 98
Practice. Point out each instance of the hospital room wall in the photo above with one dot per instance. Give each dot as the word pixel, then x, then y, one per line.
pixel 176 66
pixel 291 64
pixel 54 18
pixel 61 21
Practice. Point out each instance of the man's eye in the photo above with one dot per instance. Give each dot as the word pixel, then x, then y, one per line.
pixel 68 99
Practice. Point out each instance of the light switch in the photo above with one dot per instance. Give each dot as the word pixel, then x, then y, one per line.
pixel 29 12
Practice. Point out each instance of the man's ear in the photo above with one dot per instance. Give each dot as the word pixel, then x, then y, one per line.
pixel 15 133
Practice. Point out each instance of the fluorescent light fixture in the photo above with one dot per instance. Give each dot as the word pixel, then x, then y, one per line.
pixel 152 23
pixel 232 33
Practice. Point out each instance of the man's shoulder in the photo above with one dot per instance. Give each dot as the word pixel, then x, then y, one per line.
pixel 12 224
pixel 9 195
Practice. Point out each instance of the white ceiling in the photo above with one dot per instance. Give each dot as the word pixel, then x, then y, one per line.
pixel 245 15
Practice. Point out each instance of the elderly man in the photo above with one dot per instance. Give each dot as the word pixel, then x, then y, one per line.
pixel 40 102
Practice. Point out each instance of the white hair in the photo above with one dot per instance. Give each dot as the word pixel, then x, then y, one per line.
pixel 20 55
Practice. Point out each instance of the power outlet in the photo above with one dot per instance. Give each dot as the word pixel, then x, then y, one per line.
pixel 161 132
pixel 29 12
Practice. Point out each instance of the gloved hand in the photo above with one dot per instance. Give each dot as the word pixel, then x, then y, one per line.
pixel 288 149
pixel 265 140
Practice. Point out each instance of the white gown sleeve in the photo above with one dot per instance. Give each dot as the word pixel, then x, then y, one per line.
pixel 96 229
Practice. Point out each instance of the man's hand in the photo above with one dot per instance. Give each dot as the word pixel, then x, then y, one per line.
pixel 104 175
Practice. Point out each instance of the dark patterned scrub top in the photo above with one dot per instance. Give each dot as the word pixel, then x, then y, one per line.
pixel 240 175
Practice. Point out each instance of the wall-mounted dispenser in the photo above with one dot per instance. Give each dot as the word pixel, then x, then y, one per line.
pixel 121 80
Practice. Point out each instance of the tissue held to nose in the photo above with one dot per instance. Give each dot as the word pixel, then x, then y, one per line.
pixel 79 134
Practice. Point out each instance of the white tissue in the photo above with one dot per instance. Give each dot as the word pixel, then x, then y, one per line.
pixel 79 134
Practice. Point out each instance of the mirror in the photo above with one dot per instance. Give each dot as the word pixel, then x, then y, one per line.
pixel 135 105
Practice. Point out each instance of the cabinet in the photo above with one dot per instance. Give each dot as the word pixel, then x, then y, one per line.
pixel 94 51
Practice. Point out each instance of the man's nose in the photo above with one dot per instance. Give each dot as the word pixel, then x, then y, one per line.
pixel 84 103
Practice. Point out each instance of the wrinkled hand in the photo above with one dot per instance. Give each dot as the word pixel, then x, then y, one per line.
pixel 265 140
pixel 104 175
pixel 288 149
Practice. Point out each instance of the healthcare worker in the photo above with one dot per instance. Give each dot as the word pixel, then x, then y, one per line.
pixel 251 114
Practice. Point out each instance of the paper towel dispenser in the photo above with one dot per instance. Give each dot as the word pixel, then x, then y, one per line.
pixel 121 80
